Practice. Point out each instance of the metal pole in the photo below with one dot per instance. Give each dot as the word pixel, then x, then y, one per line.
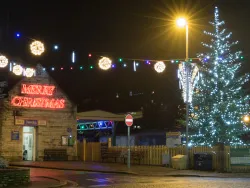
pixel 186 42
pixel 187 94
pixel 128 147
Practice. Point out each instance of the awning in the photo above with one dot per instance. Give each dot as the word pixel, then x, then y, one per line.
pixel 103 115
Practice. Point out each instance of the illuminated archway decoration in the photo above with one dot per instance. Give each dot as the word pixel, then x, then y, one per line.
pixel 18 70
pixel 3 61
pixel 105 63
pixel 37 47
pixel 37 102
pixel 29 72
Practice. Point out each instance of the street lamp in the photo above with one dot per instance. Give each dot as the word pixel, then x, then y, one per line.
pixel 182 22
pixel 246 119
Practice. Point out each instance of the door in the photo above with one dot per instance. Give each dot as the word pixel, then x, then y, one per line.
pixel 28 143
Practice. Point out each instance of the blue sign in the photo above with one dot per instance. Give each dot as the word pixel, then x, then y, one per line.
pixel 14 135
pixel 30 122
pixel 69 130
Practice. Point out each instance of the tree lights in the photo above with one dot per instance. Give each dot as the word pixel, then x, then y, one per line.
pixel 219 102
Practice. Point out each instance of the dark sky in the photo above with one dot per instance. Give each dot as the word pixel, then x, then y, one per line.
pixel 136 29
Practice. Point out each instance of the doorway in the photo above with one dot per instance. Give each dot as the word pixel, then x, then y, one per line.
pixel 28 143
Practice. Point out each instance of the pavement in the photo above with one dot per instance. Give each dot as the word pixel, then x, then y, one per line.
pixel 43 181
pixel 117 168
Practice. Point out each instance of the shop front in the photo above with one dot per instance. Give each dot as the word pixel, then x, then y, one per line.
pixel 37 116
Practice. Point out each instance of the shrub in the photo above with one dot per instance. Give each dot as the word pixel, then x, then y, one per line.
pixel 3 163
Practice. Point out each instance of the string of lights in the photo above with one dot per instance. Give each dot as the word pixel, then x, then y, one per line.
pixel 37 48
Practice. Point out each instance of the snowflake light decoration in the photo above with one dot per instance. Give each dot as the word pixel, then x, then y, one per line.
pixel 3 61
pixel 159 67
pixel 37 48
pixel 29 72
pixel 105 63
pixel 18 70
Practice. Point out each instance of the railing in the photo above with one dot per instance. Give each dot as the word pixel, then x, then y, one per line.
pixel 152 155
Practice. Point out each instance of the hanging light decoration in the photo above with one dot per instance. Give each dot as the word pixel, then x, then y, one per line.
pixel 29 72
pixel 159 66
pixel 188 75
pixel 3 61
pixel 18 70
pixel 37 47
pixel 105 63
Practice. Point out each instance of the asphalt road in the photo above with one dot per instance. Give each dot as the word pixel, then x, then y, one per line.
pixel 85 179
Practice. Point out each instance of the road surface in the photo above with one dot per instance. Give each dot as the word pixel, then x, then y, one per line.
pixel 88 180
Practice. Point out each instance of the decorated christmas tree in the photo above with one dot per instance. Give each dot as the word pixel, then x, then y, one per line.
pixel 219 101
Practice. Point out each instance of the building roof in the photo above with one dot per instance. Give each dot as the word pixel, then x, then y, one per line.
pixel 103 115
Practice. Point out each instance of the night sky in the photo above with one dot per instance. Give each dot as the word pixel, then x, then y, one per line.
pixel 134 29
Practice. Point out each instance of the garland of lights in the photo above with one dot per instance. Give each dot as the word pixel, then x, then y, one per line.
pixel 188 73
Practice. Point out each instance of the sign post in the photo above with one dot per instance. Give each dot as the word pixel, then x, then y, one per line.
pixel 129 123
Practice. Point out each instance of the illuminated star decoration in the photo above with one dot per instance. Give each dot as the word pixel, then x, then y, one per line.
pixel 18 70
pixel 3 61
pixel 159 67
pixel 37 48
pixel 193 77
pixel 105 63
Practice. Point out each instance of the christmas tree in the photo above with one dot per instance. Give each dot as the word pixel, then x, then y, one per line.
pixel 219 102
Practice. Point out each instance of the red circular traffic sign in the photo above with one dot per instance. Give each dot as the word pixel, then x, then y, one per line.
pixel 129 120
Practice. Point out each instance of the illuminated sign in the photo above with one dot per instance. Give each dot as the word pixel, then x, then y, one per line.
pixel 27 122
pixel 34 89
pixel 37 102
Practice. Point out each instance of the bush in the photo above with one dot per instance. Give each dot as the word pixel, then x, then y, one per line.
pixel 3 163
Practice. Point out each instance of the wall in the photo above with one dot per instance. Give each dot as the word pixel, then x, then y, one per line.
pixel 48 135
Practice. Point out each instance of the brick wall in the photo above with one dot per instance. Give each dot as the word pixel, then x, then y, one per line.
pixel 14 177
pixel 47 136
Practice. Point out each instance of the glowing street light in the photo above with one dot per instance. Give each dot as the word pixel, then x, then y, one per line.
pixel 246 119
pixel 181 22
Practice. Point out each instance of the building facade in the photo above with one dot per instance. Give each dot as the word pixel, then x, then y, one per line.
pixel 37 115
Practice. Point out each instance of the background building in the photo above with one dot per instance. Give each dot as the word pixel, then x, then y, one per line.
pixel 37 115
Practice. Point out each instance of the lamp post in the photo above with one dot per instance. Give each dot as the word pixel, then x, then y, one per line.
pixel 246 119
pixel 182 22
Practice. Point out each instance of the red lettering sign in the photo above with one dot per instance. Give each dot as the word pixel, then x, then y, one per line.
pixel 34 89
pixel 37 102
